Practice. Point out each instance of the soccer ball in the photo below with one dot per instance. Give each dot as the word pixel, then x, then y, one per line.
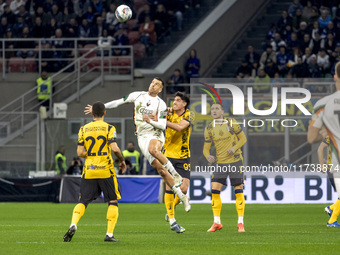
pixel 123 13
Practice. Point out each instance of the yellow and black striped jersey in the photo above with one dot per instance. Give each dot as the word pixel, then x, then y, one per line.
pixel 177 144
pixel 96 137
pixel 329 154
pixel 224 136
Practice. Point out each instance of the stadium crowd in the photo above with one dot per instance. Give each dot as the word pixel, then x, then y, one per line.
pixel 304 43
pixel 59 19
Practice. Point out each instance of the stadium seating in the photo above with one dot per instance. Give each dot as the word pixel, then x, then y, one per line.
pixel 87 48
pixel 16 65
pixel 133 37
pixel 138 51
pixel 30 65
pixel 131 24
pixel 137 4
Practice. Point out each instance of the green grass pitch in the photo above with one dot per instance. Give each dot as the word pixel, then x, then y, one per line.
pixel 38 228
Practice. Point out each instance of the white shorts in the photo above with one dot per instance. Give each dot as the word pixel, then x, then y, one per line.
pixel 144 141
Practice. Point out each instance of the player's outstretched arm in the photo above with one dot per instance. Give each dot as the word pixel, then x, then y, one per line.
pixel 81 151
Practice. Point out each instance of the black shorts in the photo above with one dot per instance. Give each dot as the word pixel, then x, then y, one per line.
pixel 90 189
pixel 182 166
pixel 233 170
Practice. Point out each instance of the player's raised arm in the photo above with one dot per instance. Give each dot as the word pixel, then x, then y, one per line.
pixel 161 119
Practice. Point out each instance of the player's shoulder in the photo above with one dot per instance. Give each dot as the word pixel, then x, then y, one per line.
pixel 134 94
pixel 321 103
pixel 210 126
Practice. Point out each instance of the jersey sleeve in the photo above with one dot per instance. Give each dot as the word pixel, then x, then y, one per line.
pixel 112 135
pixel 207 134
pixel 236 127
pixel 189 116
pixel 318 112
pixel 81 136
pixel 130 98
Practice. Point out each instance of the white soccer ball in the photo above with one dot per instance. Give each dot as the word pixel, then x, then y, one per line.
pixel 123 13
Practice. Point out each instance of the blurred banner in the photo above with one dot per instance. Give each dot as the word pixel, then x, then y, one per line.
pixel 269 188
pixel 133 189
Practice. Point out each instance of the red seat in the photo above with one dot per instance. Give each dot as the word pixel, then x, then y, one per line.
pixel 87 48
pixel 1 64
pixel 139 51
pixel 131 24
pixel 133 37
pixel 30 65
pixel 124 61
pixel 16 65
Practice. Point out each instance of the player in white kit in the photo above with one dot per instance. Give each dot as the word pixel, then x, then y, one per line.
pixel 150 133
pixel 327 114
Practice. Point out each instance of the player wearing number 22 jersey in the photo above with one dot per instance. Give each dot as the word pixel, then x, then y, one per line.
pixel 96 140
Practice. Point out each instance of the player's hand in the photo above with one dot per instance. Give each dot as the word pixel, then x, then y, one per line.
pixel 170 110
pixel 146 118
pixel 88 109
pixel 122 167
pixel 231 151
pixel 211 159
pixel 153 117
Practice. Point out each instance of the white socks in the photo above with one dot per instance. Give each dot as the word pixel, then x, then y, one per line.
pixel 171 221
pixel 240 219
pixel 168 166
pixel 217 219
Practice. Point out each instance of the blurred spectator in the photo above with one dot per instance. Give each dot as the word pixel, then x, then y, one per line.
pixel 97 28
pixel 47 6
pixel 243 69
pixel 76 167
pixel 67 16
pixel 38 31
pixel 307 10
pixel 176 9
pixel 252 57
pixel 3 27
pixel 270 68
pixel 11 18
pixel 293 43
pixel 296 54
pixel 15 5
pixel 330 44
pixel 71 30
pixel 134 158
pixel 145 11
pixel 306 42
pixel 336 19
pixel 308 56
pixel 18 27
pixel 302 31
pixel 282 61
pixel 25 48
pixel 9 45
pixel 293 7
pixel 272 31
pixel 334 30
pixel 300 69
pixel 192 66
pixel 316 29
pixel 97 6
pixel 175 79
pixel 324 19
pixel 44 17
pixel 120 39
pixel 297 20
pixel 2 6
pixel 56 14
pixel 84 31
pixel 284 20
pixel 314 69
pixel 315 15
pixel 316 43
pixel 286 33
pixel 44 88
pixel 89 15
pixel 110 15
pixel 147 32
pixel 162 21
pixel 46 56
pixel 60 161
pixel 269 53
pixel 323 61
pixel 25 16
pixel 51 28
pixel 261 80
pixel 277 42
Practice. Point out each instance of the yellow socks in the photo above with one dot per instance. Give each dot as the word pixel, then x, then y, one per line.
pixel 336 203
pixel 240 202
pixel 78 212
pixel 176 200
pixel 216 204
pixel 169 203
pixel 112 217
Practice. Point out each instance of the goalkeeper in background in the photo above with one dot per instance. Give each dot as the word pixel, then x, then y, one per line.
pixel 228 139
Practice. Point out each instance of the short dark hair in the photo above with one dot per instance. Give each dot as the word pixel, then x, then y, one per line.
pixel 98 109
pixel 159 79
pixel 184 97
